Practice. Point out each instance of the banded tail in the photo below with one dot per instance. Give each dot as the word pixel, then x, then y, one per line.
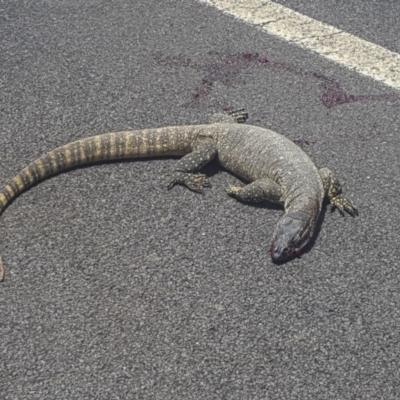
pixel 167 141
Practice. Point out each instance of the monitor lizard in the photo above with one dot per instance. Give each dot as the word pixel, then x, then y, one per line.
pixel 278 170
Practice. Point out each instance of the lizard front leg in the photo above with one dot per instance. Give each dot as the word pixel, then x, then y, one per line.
pixel 333 191
pixel 258 191
pixel 203 152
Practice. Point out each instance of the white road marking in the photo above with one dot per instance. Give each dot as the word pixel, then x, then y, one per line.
pixel 341 47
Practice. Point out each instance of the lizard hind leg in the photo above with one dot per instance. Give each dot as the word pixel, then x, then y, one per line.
pixel 333 191
pixel 260 190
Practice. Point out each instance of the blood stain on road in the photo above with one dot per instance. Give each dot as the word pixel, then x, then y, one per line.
pixel 227 69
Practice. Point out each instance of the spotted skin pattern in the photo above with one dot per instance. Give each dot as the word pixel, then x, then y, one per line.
pixel 333 191
pixel 277 169
pixel 203 152
pixel 258 191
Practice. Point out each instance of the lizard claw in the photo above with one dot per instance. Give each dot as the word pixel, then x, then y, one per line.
pixel 343 204
pixel 233 191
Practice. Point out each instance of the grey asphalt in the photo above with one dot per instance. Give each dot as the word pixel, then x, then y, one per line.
pixel 119 289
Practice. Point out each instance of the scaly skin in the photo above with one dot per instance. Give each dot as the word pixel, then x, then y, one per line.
pixel 279 171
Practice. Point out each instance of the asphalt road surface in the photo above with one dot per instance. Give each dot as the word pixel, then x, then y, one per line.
pixel 119 289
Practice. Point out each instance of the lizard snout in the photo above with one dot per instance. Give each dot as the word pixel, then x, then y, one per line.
pixel 291 236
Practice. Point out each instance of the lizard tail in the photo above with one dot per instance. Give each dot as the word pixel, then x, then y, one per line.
pixel 167 141
pixel 109 146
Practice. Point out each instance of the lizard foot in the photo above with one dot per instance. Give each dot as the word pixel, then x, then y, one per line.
pixel 233 191
pixel 333 191
pixel 195 182
pixel 240 116
pixel 343 204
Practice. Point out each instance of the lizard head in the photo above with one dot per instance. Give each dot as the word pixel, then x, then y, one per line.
pixel 293 233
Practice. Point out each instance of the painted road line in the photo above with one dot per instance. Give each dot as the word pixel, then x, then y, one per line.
pixel 341 47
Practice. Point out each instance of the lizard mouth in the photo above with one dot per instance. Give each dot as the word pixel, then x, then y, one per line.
pixel 286 254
